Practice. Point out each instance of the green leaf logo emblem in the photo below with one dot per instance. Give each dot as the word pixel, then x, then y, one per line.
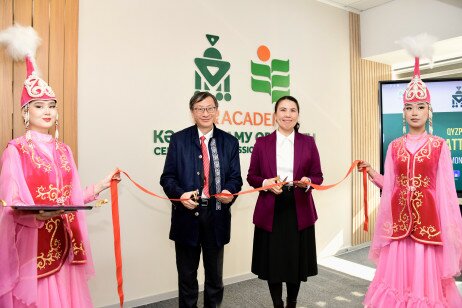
pixel 272 79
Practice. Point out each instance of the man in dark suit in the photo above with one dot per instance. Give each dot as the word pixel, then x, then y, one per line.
pixel 202 160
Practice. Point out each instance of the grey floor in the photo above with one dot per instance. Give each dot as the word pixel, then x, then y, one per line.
pixel 358 256
pixel 328 289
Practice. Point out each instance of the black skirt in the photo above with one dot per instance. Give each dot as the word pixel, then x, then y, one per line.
pixel 286 254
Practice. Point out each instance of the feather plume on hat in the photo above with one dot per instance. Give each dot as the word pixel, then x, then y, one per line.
pixel 420 46
pixel 21 43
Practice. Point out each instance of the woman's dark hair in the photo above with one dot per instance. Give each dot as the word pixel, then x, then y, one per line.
pixel 292 99
pixel 199 97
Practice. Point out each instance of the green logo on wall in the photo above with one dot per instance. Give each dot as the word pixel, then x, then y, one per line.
pixel 273 79
pixel 457 98
pixel 212 73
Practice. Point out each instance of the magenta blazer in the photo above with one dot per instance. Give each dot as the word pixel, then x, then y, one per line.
pixel 263 166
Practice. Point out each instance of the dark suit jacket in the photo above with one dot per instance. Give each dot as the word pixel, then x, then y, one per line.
pixel 263 166
pixel 183 172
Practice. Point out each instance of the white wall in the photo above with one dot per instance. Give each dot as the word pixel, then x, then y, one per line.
pixel 383 25
pixel 136 74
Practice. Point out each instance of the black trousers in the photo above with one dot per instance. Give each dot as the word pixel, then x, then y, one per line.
pixel 187 263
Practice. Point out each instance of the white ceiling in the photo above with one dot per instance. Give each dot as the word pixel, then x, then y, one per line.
pixel 356 6
pixel 445 49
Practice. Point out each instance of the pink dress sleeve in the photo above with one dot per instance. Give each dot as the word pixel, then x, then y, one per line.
pixel 450 217
pixel 14 189
pixel 384 220
pixel 377 180
pixel 18 234
pixel 89 194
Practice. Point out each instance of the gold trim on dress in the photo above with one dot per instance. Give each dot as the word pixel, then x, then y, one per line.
pixel 36 160
pixel 40 162
pixel 54 194
pixel 63 157
pixel 416 203
pixel 430 231
pixel 425 242
pixel 76 249
pixel 70 217
pixel 53 254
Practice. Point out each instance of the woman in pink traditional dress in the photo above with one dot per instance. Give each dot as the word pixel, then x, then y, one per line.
pixel 417 243
pixel 45 257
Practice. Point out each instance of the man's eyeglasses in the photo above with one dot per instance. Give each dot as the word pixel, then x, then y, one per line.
pixel 202 109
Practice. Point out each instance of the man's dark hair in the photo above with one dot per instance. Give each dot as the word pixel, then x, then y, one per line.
pixel 199 97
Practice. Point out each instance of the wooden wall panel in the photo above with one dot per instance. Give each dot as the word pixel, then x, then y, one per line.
pixel 365 76
pixel 41 24
pixel 56 54
pixel 71 44
pixel 6 80
pixel 22 14
pixel 56 21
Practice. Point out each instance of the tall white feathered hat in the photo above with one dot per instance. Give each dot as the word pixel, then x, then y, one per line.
pixel 420 46
pixel 21 44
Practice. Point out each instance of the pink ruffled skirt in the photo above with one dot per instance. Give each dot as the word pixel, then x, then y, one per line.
pixel 67 288
pixel 408 275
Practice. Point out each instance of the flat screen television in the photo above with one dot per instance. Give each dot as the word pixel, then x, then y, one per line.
pixel 446 100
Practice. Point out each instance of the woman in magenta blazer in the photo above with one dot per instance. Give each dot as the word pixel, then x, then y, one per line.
pixel 284 247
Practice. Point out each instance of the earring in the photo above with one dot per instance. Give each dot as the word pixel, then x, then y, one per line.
pixel 56 130
pixel 404 125
pixel 27 123
pixel 26 118
pixel 430 120
pixel 29 138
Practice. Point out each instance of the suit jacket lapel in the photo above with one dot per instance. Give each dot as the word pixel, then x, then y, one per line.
pixel 271 152
pixel 195 136
pixel 298 149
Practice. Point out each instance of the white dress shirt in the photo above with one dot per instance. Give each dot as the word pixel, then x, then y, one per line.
pixel 285 159
pixel 285 156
